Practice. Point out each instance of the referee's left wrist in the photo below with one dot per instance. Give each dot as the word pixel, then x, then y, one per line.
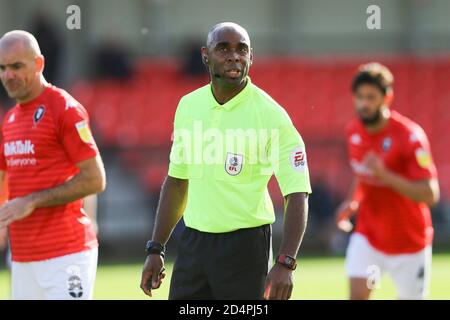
pixel 287 261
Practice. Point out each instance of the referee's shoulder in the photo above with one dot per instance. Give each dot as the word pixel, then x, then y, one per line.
pixel 269 107
pixel 193 97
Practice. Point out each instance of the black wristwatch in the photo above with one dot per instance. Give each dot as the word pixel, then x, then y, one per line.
pixel 154 247
pixel 287 261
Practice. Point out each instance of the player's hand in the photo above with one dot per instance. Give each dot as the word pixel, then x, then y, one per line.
pixel 15 209
pixel 374 165
pixel 279 283
pixel 153 273
pixel 343 214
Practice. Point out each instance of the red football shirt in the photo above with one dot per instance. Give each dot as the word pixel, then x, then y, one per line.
pixel 392 223
pixel 42 140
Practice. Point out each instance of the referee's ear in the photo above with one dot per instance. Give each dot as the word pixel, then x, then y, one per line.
pixel 204 53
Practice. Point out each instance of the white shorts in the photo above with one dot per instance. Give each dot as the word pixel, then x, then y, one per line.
pixel 70 277
pixel 410 272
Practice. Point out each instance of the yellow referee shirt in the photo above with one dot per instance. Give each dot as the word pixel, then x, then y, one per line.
pixel 229 152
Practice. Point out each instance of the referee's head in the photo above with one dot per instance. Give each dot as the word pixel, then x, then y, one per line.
pixel 21 64
pixel 227 54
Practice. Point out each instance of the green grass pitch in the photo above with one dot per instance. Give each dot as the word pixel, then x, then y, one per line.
pixel 316 278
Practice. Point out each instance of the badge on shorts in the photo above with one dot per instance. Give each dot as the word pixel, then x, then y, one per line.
pixel 38 114
pixel 75 287
pixel 298 159
pixel 83 131
pixel 233 163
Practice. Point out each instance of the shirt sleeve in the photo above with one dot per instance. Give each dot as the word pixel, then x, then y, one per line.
pixel 419 160
pixel 3 166
pixel 75 134
pixel 289 162
pixel 178 167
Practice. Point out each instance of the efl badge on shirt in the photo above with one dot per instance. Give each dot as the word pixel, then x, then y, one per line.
pixel 386 145
pixel 423 158
pixel 84 131
pixel 38 114
pixel 233 164
pixel 298 159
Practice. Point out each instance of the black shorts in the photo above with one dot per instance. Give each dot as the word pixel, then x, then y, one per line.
pixel 231 265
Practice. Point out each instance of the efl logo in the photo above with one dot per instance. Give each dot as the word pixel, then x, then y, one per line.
pixel 18 147
pixel 233 164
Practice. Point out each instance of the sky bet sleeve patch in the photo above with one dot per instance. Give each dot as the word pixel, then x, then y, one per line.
pixel 83 131
pixel 423 158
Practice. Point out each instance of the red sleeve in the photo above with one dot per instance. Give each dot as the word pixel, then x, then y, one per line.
pixel 2 150
pixel 419 161
pixel 75 133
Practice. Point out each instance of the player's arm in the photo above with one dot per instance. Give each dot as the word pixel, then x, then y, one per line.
pixel 170 209
pixel 424 190
pixel 348 207
pixel 3 231
pixel 89 180
pixel 90 207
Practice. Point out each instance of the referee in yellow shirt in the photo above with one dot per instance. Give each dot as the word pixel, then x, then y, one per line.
pixel 230 137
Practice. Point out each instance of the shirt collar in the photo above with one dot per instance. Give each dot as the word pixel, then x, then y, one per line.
pixel 234 101
pixel 37 99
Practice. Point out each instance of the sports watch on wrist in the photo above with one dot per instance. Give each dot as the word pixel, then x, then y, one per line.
pixel 287 261
pixel 154 247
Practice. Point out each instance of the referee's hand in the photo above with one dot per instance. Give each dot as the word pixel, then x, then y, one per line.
pixel 153 273
pixel 279 283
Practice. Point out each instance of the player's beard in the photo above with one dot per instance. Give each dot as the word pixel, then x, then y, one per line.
pixel 371 120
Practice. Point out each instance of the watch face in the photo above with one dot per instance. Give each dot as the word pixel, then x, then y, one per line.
pixel 288 260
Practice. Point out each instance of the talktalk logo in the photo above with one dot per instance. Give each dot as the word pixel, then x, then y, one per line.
pixel 19 147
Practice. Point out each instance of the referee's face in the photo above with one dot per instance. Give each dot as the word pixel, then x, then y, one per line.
pixel 229 57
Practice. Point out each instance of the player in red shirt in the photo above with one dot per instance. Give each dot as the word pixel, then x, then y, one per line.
pixel 395 183
pixel 52 163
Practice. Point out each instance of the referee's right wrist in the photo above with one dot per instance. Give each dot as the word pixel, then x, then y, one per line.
pixel 154 247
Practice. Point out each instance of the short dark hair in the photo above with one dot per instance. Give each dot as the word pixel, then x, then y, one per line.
pixel 376 74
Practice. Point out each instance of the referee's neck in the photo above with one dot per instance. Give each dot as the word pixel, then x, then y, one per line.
pixel 225 92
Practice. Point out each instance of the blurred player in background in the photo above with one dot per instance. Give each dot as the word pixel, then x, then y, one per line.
pixel 52 163
pixel 396 182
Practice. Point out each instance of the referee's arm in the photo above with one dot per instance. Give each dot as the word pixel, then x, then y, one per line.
pixel 171 206
pixel 279 284
pixel 295 218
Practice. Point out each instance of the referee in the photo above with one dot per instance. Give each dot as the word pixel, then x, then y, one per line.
pixel 220 188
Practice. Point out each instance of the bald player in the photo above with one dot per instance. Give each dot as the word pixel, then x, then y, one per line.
pixel 225 251
pixel 52 163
